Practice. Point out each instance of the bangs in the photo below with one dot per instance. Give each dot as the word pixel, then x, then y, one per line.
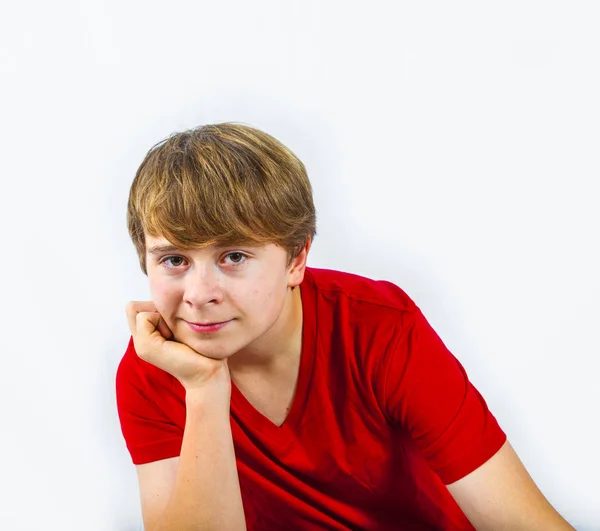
pixel 221 185
pixel 194 206
pixel 207 224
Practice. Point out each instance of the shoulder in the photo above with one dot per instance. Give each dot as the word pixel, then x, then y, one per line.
pixel 131 367
pixel 360 291
pixel 151 409
pixel 370 314
pixel 128 368
pixel 134 375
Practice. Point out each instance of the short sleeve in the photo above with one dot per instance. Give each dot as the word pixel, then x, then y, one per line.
pixel 150 431
pixel 427 392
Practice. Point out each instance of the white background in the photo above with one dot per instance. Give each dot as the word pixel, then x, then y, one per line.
pixel 453 149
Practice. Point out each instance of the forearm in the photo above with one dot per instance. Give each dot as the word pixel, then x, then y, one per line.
pixel 207 493
pixel 501 494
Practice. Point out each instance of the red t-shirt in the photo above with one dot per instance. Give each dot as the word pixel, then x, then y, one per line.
pixel 383 417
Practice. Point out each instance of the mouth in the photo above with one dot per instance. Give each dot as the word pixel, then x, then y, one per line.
pixel 208 327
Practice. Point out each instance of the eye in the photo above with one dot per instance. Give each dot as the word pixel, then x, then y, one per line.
pixel 174 261
pixel 236 258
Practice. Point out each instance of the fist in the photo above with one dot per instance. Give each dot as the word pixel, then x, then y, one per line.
pixel 154 343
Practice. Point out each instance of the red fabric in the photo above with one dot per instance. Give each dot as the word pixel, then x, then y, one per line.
pixel 384 415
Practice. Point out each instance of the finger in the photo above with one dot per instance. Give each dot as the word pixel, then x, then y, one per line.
pixel 147 323
pixel 135 307
pixel 147 339
pixel 164 329
pixel 131 313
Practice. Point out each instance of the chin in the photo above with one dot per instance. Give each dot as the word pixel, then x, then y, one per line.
pixel 210 349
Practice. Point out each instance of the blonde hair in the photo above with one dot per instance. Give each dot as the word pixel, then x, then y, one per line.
pixel 221 184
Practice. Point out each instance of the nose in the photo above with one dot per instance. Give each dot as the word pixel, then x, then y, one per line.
pixel 202 287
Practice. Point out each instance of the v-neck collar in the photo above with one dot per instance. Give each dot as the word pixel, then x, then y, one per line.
pixel 247 415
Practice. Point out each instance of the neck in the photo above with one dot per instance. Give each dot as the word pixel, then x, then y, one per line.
pixel 281 344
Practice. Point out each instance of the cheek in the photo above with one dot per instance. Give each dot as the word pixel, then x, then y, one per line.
pixel 165 296
pixel 269 295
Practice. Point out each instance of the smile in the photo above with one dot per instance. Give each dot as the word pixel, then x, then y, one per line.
pixel 207 327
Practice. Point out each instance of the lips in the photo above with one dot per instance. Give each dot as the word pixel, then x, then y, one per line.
pixel 208 327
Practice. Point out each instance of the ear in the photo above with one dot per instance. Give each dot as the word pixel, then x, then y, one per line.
pixel 298 266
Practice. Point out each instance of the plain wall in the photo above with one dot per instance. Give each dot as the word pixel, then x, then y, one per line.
pixel 453 149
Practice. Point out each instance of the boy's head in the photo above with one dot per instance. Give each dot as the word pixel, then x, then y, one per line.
pixel 222 218
pixel 221 184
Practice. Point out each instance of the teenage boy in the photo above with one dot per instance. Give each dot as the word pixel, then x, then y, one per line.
pixel 258 393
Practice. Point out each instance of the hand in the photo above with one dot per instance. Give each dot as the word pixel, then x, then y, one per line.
pixel 153 343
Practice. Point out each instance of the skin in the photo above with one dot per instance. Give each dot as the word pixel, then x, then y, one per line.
pixel 500 495
pixel 250 288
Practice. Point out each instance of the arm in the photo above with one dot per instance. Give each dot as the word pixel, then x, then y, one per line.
pixel 500 495
pixel 205 493
pixel 427 392
pixel 200 491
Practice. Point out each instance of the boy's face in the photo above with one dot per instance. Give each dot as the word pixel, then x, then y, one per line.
pixel 220 300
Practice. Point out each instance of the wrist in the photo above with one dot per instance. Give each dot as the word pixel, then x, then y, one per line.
pixel 209 392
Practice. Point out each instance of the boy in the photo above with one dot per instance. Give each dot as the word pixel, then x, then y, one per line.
pixel 257 393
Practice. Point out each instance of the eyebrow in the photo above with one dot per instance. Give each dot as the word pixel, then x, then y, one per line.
pixel 158 249
pixel 168 248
